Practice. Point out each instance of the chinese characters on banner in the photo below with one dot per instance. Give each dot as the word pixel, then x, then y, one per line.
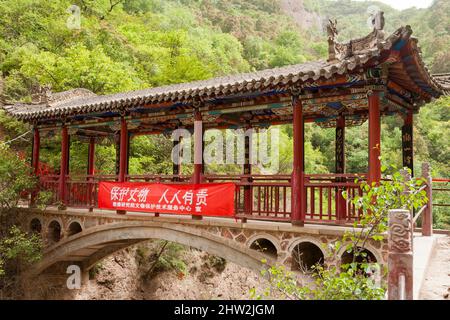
pixel 214 199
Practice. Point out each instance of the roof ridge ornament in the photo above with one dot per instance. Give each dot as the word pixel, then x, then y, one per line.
pixel 41 94
pixel 338 51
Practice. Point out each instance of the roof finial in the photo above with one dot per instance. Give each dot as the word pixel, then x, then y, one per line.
pixel 41 94
pixel 378 20
pixel 332 35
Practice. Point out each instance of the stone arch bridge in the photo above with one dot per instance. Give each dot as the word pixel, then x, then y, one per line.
pixel 84 238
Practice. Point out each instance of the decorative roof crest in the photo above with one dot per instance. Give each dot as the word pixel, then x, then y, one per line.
pixel 339 51
pixel 41 94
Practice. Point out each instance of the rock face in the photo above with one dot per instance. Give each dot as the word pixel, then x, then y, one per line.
pixel 124 276
pixel 303 18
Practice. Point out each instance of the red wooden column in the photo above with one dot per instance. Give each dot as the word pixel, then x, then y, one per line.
pixel 36 150
pixel 90 171
pixel 407 142
pixel 64 167
pixel 341 204
pixel 35 161
pixel 247 170
pixel 198 147
pixel 298 203
pixel 198 152
pixel 374 138
pixel 123 156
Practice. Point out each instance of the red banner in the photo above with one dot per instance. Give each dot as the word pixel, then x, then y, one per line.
pixel 213 199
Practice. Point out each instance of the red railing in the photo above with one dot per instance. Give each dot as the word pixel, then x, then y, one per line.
pixel 324 200
pixel 440 185
pixel 268 197
pixel 262 197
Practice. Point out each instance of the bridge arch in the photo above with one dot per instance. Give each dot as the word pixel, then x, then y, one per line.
pixel 266 241
pixel 93 244
pixel 369 249
pixel 54 231
pixel 35 225
pixel 306 252
pixel 74 227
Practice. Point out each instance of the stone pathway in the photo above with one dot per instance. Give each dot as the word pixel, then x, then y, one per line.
pixel 436 285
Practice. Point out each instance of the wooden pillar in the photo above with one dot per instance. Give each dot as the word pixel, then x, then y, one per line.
pixel 64 167
pixel 35 162
pixel 247 170
pixel 198 147
pixel 407 142
pixel 90 172
pixel 123 153
pixel 298 203
pixel 341 204
pixel 198 152
pixel 35 150
pixel 91 156
pixel 374 138
pixel 400 255
pixel 427 215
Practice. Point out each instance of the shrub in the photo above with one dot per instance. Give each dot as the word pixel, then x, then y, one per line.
pixel 356 280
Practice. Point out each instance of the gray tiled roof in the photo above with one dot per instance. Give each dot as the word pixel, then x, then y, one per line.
pixel 443 79
pixel 81 101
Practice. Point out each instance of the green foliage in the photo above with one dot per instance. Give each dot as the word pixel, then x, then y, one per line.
pixel 19 247
pixel 217 263
pixel 144 43
pixel 360 279
pixel 171 259
pixel 15 178
pixel 95 270
pixel 396 192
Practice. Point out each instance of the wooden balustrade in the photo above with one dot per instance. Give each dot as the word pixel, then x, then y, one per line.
pixel 270 194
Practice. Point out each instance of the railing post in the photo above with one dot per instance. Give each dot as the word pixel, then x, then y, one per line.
pixel 400 258
pixel 407 178
pixel 427 218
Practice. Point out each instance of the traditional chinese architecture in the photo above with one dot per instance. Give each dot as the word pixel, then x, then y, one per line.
pixel 362 80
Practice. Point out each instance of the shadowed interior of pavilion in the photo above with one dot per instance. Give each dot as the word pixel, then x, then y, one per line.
pixel 361 80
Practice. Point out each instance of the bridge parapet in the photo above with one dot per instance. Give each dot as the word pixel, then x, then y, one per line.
pixel 87 237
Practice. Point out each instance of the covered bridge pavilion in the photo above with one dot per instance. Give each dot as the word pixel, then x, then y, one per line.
pixel 361 80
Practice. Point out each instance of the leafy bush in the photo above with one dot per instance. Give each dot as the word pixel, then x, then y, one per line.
pixel 15 178
pixel 360 279
pixel 19 248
